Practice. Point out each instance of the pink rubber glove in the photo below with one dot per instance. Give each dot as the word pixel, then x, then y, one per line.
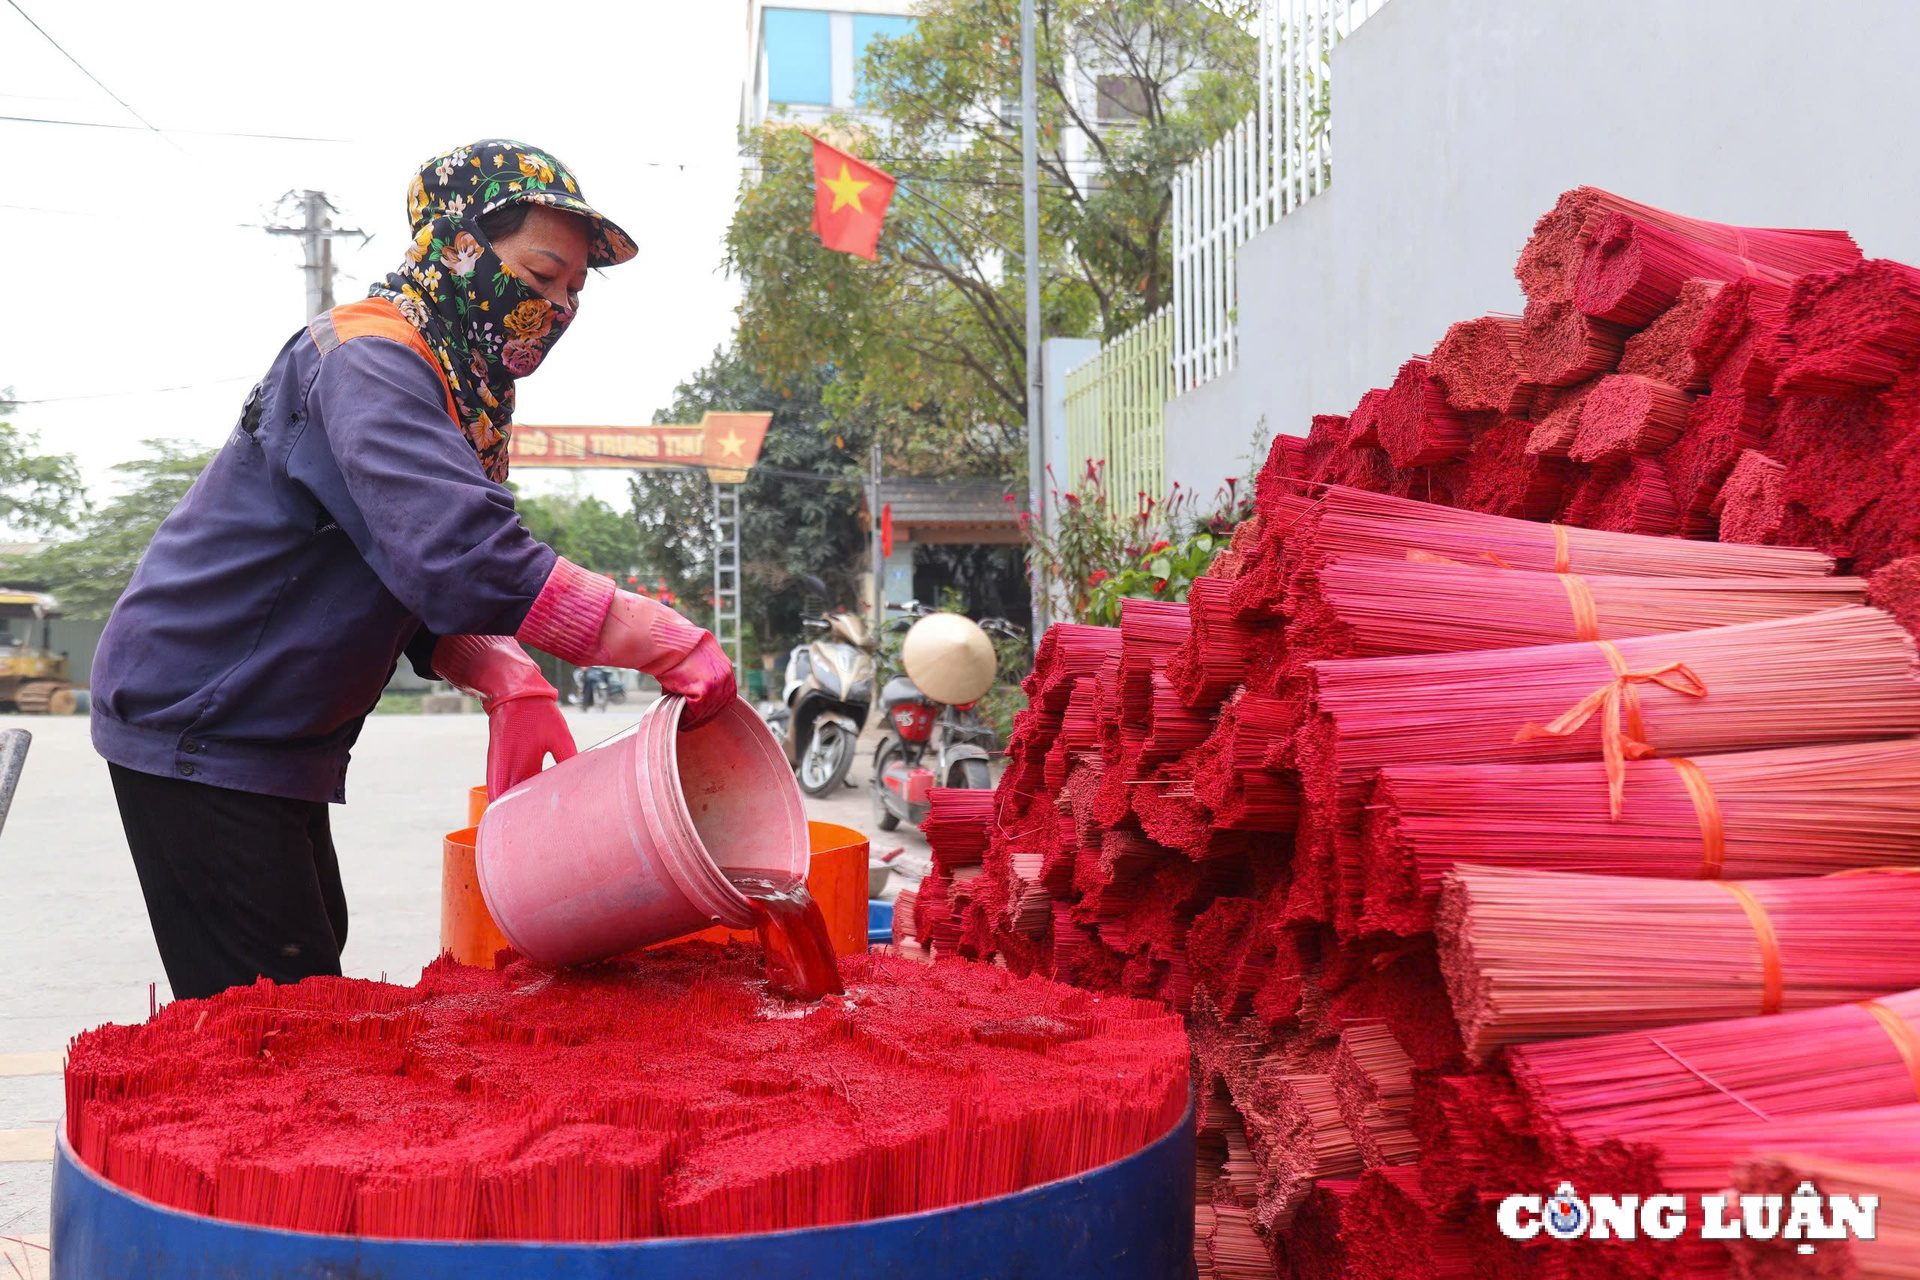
pixel 524 724
pixel 580 617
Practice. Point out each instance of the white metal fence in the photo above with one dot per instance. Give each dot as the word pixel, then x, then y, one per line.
pixel 1116 406
pixel 1272 162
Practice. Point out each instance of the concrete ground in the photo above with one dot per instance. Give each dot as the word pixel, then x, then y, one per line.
pixel 77 950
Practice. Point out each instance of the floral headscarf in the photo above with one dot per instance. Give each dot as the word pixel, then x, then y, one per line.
pixel 486 325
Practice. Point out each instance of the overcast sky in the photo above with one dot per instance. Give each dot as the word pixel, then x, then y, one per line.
pixel 130 262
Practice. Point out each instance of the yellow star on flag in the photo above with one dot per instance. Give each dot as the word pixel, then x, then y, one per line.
pixel 730 444
pixel 846 190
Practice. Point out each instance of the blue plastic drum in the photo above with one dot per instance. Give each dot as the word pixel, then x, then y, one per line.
pixel 1129 1220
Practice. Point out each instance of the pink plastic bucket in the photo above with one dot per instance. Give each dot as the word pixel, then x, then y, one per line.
pixel 631 841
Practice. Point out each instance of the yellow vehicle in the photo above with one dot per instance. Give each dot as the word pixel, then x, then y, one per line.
pixel 33 678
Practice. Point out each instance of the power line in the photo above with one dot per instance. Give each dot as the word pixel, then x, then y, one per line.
pixel 150 391
pixel 15 4
pixel 204 133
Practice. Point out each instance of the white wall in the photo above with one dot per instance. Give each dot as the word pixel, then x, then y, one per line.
pixel 1458 122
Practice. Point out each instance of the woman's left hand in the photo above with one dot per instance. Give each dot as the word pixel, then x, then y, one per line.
pixel 524 723
pixel 522 733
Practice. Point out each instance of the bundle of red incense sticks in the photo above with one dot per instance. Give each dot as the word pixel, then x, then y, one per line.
pixel 1887 1175
pixel 1748 815
pixel 1659 952
pixel 650 1096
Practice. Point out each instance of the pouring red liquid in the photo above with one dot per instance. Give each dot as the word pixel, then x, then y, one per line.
pixel 800 961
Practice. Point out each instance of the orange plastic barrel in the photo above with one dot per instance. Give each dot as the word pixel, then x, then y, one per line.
pixel 466 929
pixel 836 879
pixel 476 804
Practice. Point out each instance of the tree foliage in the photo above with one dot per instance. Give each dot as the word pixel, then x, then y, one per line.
pixel 88 573
pixel 929 342
pixel 585 530
pixel 799 507
pixel 39 493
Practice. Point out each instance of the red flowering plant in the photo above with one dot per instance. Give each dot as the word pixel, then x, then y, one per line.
pixel 1097 555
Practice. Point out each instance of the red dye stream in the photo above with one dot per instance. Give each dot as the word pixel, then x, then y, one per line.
pixel 793 933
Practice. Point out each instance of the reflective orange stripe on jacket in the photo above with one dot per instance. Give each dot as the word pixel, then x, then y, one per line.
pixel 377 318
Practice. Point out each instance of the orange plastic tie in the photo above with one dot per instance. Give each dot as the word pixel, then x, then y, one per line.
pixel 1562 557
pixel 1617 744
pixel 1772 984
pixel 1586 614
pixel 1901 1032
pixel 1706 806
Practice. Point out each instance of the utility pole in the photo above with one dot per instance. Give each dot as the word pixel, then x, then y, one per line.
pixel 317 234
pixel 1030 199
pixel 879 562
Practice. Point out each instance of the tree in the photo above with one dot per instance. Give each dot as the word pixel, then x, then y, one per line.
pixel 39 493
pixel 799 507
pixel 929 342
pixel 89 573
pixel 585 530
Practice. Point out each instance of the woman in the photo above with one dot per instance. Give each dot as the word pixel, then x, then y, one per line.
pixel 356 513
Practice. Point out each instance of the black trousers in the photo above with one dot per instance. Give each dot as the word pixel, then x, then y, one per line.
pixel 238 886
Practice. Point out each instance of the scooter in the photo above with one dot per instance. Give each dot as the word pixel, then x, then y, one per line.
pixel 927 744
pixel 828 690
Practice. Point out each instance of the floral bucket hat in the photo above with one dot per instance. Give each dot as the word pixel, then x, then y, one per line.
pixel 484 176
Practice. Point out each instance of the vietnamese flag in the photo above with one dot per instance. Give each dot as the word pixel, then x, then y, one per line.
pixel 849 201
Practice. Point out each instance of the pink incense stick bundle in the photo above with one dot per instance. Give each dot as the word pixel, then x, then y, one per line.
pixel 1629 497
pixel 1664 349
pixel 1417 427
pixel 1719 428
pixel 1633 270
pixel 1634 1084
pixel 1393 1232
pixel 1079 734
pixel 1554 256
pixel 1220 645
pixel 1482 363
pixel 1386 606
pixel 1752 503
pixel 1505 478
pixel 1736 338
pixel 958 825
pixel 1565 346
pixel 1170 813
pixel 1067 652
pixel 1342 522
pixel 1557 413
pixel 1373 1085
pixel 1895 587
pixel 1231 776
pixel 1150 632
pixel 1887 1175
pixel 1749 815
pixel 1840 675
pixel 903 917
pixel 1176 728
pixel 1629 414
pixel 1318 1243
pixel 1652 953
pixel 1476 1136
pixel 1850 329
pixel 1363 425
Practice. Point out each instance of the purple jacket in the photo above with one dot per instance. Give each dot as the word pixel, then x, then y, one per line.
pixel 346 520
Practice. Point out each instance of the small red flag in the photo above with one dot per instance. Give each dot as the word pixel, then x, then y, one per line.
pixel 886 530
pixel 849 201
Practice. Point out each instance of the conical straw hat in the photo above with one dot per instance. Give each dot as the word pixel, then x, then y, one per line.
pixel 950 658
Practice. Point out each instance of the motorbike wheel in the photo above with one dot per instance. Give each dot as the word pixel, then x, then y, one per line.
pixel 617 693
pixel 970 774
pixel 883 817
pixel 824 764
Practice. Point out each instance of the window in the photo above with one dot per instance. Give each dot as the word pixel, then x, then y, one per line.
pixel 1122 99
pixel 799 50
pixel 866 26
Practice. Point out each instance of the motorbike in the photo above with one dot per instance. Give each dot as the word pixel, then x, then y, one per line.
pixel 603 685
pixel 927 744
pixel 828 690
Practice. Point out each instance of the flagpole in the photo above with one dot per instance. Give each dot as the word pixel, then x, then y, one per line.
pixel 1030 201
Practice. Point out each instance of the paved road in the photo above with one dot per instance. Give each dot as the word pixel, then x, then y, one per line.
pixel 76 950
